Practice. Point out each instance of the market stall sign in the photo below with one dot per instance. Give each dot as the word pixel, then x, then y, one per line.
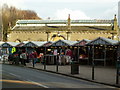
pixel 13 50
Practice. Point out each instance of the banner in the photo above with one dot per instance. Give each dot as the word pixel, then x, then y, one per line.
pixel 13 50
pixel 55 52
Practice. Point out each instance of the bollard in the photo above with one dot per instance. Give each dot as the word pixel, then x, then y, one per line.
pixel 93 66
pixel 45 63
pixel 33 63
pixel 117 71
pixel 56 64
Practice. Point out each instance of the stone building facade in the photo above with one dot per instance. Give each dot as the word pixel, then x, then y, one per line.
pixel 52 30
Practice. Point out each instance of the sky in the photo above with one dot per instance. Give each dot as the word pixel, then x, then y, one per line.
pixel 78 9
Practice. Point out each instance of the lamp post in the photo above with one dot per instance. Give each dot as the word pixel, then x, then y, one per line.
pixel 45 56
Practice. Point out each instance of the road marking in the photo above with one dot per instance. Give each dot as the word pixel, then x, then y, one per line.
pixel 16 81
pixel 15 75
pixel 27 82
pixel 39 84
pixel 24 82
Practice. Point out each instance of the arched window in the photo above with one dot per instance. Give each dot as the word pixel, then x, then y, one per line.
pixel 17 40
pixel 56 37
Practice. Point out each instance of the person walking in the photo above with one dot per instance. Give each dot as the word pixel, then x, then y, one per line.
pixel 10 58
pixel 35 56
pixel 31 56
pixel 23 57
pixel 69 56
pixel 62 59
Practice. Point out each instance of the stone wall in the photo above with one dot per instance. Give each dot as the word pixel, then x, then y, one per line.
pixel 87 35
pixel 42 36
pixel 27 36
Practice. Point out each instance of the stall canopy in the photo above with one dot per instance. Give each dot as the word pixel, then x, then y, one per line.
pixel 82 42
pixel 64 43
pixel 49 43
pixel 118 43
pixel 35 44
pixel 102 41
pixel 9 44
pixel 20 44
pixel 1 43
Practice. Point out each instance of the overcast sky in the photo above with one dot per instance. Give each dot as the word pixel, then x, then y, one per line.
pixel 59 9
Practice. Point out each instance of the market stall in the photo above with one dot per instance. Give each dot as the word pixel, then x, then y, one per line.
pixel 103 51
pixel 82 51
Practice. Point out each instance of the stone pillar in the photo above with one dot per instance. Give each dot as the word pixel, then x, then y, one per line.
pixel 48 36
pixel 68 35
pixel 69 27
pixel 116 27
pixel 115 23
pixel 112 36
pixel 69 23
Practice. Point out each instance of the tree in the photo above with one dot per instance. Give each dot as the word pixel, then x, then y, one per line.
pixel 9 16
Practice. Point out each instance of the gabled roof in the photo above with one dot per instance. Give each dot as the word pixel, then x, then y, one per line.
pixel 118 43
pixel 63 43
pixel 82 42
pixel 20 44
pixel 49 43
pixel 35 44
pixel 39 43
pixel 13 43
pixel 9 44
pixel 102 41
pixel 1 43
pixel 30 44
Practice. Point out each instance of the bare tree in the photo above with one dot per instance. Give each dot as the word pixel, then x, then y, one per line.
pixel 9 16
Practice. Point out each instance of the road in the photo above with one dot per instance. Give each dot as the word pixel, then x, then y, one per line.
pixel 22 77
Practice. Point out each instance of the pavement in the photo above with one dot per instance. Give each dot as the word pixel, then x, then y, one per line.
pixel 102 74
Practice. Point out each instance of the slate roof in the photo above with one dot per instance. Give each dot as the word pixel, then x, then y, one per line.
pixel 62 21
pixel 63 28
pixel 9 44
pixel 102 41
pixel 82 42
pixel 61 25
pixel 64 43
pixel 1 43
pixel 34 44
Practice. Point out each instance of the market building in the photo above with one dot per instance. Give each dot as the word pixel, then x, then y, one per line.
pixel 53 30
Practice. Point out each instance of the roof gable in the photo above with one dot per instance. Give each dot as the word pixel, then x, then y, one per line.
pixel 102 41
pixel 20 44
pixel 6 45
pixel 118 43
pixel 30 44
pixel 63 43
pixel 47 44
pixel 82 42
pixel 60 43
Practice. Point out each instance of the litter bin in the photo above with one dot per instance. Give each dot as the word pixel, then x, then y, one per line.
pixel 74 67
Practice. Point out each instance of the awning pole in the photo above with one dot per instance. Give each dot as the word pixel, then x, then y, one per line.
pixel 93 63
pixel 105 55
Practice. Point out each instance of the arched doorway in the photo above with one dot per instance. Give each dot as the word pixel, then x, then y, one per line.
pixel 17 40
pixel 57 37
